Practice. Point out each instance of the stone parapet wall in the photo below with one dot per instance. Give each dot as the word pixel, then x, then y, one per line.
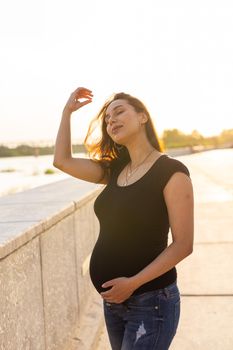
pixel 46 238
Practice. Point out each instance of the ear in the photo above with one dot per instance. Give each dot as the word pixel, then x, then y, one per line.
pixel 143 118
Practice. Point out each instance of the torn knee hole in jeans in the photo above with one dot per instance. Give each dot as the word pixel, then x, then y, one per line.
pixel 141 331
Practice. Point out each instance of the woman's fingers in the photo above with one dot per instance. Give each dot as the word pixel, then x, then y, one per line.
pixel 82 89
pixel 74 102
pixel 85 103
pixel 82 92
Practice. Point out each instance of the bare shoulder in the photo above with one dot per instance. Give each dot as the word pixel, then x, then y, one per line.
pixel 178 187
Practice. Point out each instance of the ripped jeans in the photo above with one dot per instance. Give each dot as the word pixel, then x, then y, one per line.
pixel 147 321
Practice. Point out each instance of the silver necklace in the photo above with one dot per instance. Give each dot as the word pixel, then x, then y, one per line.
pixel 131 172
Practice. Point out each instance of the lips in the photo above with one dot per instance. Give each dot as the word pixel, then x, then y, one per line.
pixel 116 128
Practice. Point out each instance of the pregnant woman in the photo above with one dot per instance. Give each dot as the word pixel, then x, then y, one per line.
pixel 146 193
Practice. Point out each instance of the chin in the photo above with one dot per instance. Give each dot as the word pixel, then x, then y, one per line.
pixel 120 143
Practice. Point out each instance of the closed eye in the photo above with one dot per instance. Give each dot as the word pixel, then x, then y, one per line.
pixel 116 112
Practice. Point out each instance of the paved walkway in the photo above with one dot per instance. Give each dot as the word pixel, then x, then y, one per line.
pixel 205 278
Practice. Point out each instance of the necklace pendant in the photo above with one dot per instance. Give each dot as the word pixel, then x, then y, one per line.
pixel 130 172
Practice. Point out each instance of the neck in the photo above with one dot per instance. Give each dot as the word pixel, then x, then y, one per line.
pixel 138 150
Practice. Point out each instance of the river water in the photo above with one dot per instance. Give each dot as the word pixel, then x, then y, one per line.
pixel 22 173
pixel 29 171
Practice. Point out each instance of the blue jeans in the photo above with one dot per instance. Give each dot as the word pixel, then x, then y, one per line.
pixel 147 321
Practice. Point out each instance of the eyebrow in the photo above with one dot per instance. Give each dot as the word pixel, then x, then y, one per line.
pixel 107 115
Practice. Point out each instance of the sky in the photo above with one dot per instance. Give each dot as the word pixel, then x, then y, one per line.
pixel 176 56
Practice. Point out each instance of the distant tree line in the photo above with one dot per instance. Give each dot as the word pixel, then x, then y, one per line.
pixel 174 138
pixel 171 138
pixel 26 150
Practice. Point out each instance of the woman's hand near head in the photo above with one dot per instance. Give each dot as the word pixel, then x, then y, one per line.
pixel 74 103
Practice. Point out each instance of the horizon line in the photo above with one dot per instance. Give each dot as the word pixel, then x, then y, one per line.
pixel 51 142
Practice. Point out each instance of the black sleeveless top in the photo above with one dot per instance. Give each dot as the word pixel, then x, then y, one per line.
pixel 134 225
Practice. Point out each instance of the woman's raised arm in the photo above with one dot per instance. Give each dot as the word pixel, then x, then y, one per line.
pixel 81 168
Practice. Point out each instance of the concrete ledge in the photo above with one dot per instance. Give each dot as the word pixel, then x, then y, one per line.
pixel 27 214
pixel 21 298
pixel 45 288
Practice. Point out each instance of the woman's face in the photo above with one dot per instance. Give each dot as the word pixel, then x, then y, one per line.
pixel 122 121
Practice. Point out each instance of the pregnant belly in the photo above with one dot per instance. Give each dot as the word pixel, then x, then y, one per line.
pixel 110 261
pixel 104 266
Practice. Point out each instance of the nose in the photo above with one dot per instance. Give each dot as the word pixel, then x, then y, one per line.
pixel 110 120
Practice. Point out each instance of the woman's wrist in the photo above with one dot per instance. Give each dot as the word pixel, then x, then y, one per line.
pixel 136 283
pixel 66 112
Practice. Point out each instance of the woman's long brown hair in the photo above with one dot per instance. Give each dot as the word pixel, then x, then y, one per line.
pixel 106 150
